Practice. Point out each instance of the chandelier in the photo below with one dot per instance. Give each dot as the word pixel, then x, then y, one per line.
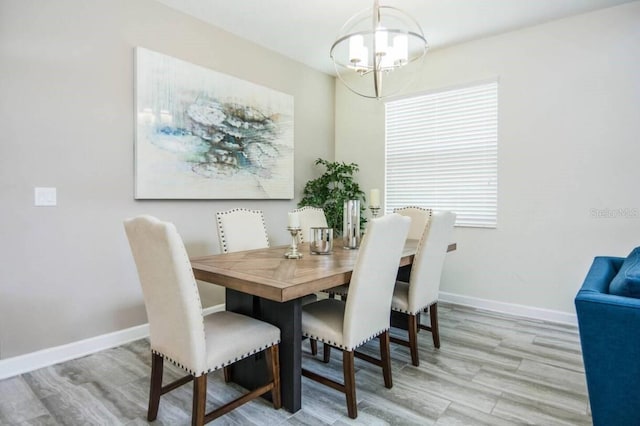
pixel 377 50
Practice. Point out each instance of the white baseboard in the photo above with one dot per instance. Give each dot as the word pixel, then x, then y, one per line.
pixel 510 308
pixel 32 361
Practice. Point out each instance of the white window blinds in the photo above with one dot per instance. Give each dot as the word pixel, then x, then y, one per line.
pixel 442 153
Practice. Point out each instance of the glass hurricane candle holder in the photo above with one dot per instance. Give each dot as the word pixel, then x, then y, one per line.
pixel 293 252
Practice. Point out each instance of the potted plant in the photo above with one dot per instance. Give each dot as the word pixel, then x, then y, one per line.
pixel 329 192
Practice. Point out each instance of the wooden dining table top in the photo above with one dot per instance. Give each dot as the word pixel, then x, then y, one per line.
pixel 267 273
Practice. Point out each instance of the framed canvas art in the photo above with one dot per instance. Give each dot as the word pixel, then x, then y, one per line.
pixel 201 134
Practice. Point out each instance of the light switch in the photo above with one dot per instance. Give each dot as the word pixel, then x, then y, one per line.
pixel 45 197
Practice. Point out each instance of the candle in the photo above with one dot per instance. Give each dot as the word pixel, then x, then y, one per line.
pixel 374 198
pixel 294 220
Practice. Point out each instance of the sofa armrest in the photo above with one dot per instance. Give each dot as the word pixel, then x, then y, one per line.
pixel 610 337
pixel 602 271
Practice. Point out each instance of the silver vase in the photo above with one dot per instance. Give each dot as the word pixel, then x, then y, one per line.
pixel 351 224
pixel 321 240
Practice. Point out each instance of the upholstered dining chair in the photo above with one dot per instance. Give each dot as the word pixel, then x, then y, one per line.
pixel 349 324
pixel 419 219
pixel 244 229
pixel 241 229
pixel 421 291
pixel 310 217
pixel 179 332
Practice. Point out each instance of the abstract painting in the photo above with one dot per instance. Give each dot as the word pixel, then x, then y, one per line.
pixel 201 134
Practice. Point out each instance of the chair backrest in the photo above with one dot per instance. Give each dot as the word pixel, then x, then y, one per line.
pixel 241 229
pixel 419 219
pixel 310 217
pixel 371 287
pixel 170 291
pixel 424 282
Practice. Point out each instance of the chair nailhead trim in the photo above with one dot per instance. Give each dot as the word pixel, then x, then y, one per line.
pixel 404 311
pixel 219 215
pixel 428 211
pixel 217 367
pixel 337 345
pixel 340 292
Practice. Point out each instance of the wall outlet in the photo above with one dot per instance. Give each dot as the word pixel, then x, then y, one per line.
pixel 45 197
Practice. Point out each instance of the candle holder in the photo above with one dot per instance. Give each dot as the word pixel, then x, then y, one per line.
pixel 293 252
pixel 374 210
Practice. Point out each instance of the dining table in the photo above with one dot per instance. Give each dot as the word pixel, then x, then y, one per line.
pixel 263 284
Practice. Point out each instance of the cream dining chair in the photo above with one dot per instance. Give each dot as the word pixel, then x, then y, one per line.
pixel 419 219
pixel 421 291
pixel 241 229
pixel 180 334
pixel 310 217
pixel 365 314
pixel 244 229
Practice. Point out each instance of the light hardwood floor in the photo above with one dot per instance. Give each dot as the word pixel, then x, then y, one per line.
pixel 491 369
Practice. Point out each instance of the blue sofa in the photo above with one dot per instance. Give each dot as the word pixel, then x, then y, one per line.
pixel 610 338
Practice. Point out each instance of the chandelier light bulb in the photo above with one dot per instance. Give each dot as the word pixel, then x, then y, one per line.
pixel 400 49
pixel 381 41
pixel 356 49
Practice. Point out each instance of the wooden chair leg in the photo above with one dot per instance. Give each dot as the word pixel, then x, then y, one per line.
pixel 350 383
pixel 314 346
pixel 227 373
pixel 199 400
pixel 326 353
pixel 155 388
pixel 273 373
pixel 433 312
pixel 385 357
pixel 413 339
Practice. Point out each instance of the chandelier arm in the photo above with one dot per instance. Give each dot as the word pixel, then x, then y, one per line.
pixel 377 76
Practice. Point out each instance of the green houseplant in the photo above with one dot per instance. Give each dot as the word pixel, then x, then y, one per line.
pixel 329 192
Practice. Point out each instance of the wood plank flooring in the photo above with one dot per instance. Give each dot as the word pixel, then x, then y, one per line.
pixel 491 369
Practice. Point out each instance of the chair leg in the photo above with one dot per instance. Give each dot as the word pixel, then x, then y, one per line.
pixel 314 346
pixel 155 388
pixel 433 312
pixel 350 383
pixel 199 400
pixel 385 357
pixel 227 373
pixel 326 353
pixel 413 339
pixel 273 374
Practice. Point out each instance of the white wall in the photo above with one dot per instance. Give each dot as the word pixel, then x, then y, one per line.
pixel 66 120
pixel 569 108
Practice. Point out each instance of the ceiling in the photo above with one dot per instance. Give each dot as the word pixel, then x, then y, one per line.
pixel 304 30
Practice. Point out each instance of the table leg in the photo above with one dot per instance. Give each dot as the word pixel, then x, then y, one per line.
pixel 288 317
pixel 251 372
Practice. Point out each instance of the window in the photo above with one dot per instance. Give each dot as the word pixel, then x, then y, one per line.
pixel 442 153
